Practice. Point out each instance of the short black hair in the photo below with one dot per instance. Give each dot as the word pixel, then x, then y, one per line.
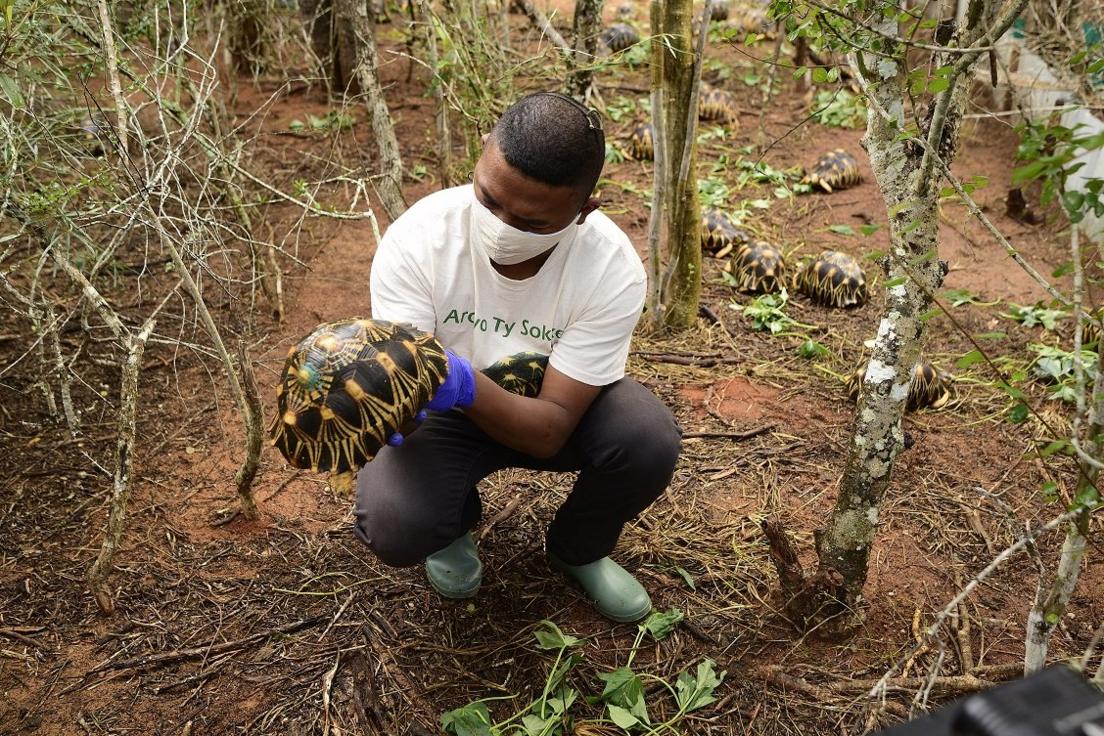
pixel 552 138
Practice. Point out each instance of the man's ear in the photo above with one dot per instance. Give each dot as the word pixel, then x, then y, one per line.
pixel 590 206
pixel 483 139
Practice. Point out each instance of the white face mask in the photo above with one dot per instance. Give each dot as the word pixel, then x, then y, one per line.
pixel 507 245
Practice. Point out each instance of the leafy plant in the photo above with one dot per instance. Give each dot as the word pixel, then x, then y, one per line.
pixel 767 311
pixel 962 297
pixel 331 122
pixel 624 695
pixel 1035 315
pixel 1055 365
pixel 839 109
pixel 713 193
pixel 1050 151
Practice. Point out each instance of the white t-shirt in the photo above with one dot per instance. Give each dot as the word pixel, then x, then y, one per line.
pixel 579 309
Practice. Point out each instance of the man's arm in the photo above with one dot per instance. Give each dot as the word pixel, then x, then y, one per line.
pixel 539 427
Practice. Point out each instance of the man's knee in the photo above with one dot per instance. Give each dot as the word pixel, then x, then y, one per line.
pixel 398 533
pixel 643 437
pixel 394 542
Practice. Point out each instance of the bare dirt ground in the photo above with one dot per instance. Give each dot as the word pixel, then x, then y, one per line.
pixel 288 625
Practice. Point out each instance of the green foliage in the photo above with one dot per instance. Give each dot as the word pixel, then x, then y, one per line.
pixel 1049 151
pixel 839 109
pixel 332 122
pixel 811 349
pixel 624 698
pixel 621 108
pixel 1035 315
pixel 1055 366
pixel 767 312
pixel 713 193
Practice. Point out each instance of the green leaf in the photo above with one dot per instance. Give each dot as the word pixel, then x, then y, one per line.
pixel 938 84
pixel 623 718
pixel 967 360
pixel 926 316
pixel 11 89
pixel 841 229
pixel 820 75
pixel 659 625
pixel 889 284
pixel 472 720
pixel 1054 447
pixel 1018 414
pixel 534 725
pixel 869 229
pixel 686 577
pixel 1062 270
pixel 695 692
pixel 550 637
pixel 811 349
pixel 624 689
pixel 1050 490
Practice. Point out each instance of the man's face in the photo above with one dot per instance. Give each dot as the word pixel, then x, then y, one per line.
pixel 521 202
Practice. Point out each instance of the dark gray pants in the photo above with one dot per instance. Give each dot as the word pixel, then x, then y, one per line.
pixel 417 499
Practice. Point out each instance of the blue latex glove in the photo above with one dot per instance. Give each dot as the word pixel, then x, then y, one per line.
pixel 396 439
pixel 458 389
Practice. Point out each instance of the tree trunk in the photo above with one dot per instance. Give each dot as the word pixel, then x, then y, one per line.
pixel 588 19
pixel 333 42
pixel 682 287
pixel 905 173
pixel 124 454
pixel 246 40
pixel 354 15
pixel 1053 595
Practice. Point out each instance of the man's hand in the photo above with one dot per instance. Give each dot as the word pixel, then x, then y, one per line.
pixel 458 389
pixel 539 427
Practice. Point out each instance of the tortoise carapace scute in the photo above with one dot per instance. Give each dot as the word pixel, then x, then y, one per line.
pixel 348 386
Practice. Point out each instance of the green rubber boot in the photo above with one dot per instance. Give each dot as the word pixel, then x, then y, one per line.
pixel 617 594
pixel 456 572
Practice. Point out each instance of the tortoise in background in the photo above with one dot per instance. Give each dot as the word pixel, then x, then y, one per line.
pixel 833 171
pixel 758 268
pixel 834 279
pixel 642 142
pixel 619 37
pixel 716 104
pixel 347 387
pixel 719 234
pixel 927 389
pixel 718 9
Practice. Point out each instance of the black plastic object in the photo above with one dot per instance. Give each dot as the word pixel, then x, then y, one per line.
pixel 1055 702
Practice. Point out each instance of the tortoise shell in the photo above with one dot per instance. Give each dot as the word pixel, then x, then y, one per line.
pixel 928 388
pixel 718 9
pixel 718 232
pixel 1090 333
pixel 834 279
pixel 348 386
pixel 521 373
pixel 758 268
pixel 619 37
pixel 641 143
pixel 716 104
pixel 834 170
